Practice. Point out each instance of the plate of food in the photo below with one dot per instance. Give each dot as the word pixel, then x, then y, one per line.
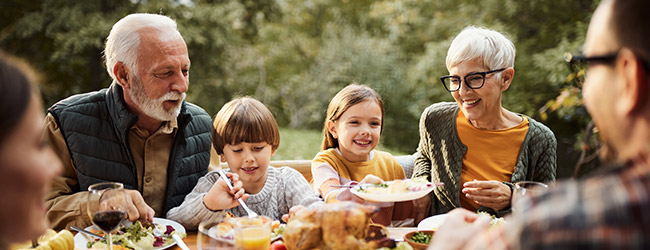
pixel 432 223
pixel 136 235
pixel 226 231
pixel 394 191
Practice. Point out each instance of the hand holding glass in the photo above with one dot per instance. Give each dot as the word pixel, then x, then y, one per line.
pixel 106 205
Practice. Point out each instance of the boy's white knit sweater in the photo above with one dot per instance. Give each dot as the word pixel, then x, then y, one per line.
pixel 284 188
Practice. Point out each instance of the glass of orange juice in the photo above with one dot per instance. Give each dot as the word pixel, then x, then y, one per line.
pixel 253 233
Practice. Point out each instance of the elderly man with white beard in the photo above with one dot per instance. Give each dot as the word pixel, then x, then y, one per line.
pixel 139 131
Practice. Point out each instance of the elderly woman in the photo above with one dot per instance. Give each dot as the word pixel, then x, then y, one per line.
pixel 27 164
pixel 476 147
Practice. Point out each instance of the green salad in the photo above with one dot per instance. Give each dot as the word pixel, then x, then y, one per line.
pixel 140 235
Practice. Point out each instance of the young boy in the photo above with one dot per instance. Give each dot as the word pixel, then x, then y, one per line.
pixel 245 136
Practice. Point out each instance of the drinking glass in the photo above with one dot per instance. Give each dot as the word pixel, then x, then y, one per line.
pixel 253 233
pixel 526 188
pixel 209 236
pixel 106 205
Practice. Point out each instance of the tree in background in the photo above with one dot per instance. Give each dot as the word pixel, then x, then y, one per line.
pixel 294 55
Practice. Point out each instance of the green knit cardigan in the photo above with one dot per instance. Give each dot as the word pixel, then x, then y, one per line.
pixel 440 156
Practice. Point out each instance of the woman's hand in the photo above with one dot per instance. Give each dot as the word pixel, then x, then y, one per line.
pixel 221 197
pixel 492 194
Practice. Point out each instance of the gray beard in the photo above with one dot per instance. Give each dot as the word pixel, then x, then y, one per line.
pixel 154 107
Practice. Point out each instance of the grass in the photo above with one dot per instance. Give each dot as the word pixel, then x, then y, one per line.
pixel 303 144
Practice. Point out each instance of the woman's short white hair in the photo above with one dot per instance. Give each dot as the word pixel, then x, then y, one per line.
pixel 492 47
pixel 122 44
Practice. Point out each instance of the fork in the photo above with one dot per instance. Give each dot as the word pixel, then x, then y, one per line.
pixel 177 238
pixel 250 212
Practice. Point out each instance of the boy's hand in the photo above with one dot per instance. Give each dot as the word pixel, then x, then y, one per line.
pixel 220 197
pixel 292 211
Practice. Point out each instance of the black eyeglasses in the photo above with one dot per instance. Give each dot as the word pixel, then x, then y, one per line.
pixel 580 63
pixel 472 80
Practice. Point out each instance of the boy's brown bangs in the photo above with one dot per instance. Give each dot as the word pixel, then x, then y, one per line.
pixel 245 130
pixel 251 127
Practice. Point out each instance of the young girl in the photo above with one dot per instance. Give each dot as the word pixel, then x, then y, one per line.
pixel 245 136
pixel 352 129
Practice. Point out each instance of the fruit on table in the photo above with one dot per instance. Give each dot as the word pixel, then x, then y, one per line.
pixel 278 245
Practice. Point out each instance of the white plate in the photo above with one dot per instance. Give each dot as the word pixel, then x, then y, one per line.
pixel 432 223
pixel 407 196
pixel 80 239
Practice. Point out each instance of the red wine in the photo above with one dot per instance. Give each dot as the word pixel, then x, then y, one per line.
pixel 108 220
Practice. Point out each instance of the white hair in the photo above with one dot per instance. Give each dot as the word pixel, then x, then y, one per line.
pixel 122 44
pixel 492 47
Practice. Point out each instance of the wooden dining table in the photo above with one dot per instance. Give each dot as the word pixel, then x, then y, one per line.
pixel 396 233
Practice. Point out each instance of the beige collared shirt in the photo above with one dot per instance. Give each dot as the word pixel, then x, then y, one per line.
pixel 151 156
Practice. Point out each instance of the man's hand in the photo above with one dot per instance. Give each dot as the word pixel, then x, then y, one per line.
pixel 136 208
pixel 459 228
pixel 492 194
pixel 221 197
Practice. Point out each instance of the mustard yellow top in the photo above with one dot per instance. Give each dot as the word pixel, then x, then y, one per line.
pixel 329 164
pixel 491 154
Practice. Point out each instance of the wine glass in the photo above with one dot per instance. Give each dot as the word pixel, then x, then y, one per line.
pixel 526 188
pixel 107 207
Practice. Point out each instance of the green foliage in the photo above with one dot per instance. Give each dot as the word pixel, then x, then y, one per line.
pixel 304 144
pixel 294 55
pixel 298 144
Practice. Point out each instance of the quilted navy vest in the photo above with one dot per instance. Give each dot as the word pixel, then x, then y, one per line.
pixel 96 125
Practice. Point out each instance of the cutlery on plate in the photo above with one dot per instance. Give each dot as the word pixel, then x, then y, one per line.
pixel 156 232
pixel 349 186
pixel 179 242
pixel 84 231
pixel 370 184
pixel 250 212
pixel 176 237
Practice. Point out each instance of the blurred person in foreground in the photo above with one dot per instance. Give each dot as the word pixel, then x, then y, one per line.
pixel 139 131
pixel 475 146
pixel 605 211
pixel 27 163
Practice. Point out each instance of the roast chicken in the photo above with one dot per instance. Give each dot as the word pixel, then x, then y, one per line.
pixel 342 225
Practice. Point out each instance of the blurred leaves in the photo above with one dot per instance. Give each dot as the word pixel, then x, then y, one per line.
pixel 294 55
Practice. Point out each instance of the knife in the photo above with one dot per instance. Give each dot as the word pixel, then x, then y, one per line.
pixel 84 231
pixel 370 184
pixel 179 242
